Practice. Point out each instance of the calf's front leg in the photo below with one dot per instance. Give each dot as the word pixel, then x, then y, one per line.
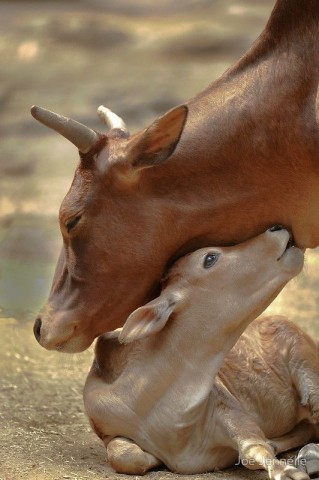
pixel 125 456
pixel 255 450
pixel 256 454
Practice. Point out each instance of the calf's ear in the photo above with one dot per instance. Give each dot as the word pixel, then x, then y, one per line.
pixel 147 320
pixel 157 143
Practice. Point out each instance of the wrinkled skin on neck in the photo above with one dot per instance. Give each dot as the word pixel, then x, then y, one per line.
pixel 245 157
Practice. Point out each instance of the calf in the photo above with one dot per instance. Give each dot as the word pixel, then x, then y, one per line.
pixel 186 397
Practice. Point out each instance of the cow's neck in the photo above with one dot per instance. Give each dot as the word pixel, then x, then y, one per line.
pixel 291 16
pixel 254 160
pixel 294 27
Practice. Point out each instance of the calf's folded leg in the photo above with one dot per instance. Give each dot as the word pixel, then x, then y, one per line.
pixel 303 433
pixel 125 456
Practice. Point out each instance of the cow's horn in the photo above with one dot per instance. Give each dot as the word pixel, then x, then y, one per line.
pixel 112 120
pixel 81 136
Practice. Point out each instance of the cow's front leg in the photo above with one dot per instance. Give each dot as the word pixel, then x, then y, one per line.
pixel 125 456
pixel 308 460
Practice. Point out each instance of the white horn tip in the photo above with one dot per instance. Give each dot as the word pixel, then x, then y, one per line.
pixel 112 120
pixel 103 111
pixel 38 112
pixel 34 110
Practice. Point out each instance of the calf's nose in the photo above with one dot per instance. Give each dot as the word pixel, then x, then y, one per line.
pixel 37 328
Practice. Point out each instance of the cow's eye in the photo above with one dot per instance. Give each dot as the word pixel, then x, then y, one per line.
pixel 72 223
pixel 210 260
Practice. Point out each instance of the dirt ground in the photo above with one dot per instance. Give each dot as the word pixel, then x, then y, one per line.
pixel 139 58
pixel 45 434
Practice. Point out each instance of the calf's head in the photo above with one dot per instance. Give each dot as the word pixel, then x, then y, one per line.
pixel 230 285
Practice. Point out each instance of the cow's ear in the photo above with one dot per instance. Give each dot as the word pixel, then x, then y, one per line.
pixel 157 143
pixel 147 320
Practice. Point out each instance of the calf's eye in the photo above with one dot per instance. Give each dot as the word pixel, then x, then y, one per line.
pixel 210 260
pixel 72 223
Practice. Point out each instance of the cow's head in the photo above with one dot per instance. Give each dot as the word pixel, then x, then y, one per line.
pixel 113 228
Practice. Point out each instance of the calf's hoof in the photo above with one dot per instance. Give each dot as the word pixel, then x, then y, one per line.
pixel 287 473
pixel 308 460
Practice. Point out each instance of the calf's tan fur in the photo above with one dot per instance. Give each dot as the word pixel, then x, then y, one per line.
pixel 177 392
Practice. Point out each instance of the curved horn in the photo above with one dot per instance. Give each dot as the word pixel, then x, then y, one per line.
pixel 81 136
pixel 112 120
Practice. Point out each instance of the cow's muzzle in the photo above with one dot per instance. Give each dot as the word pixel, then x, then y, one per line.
pixel 37 328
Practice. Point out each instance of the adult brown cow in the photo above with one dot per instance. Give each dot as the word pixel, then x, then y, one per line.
pixel 239 157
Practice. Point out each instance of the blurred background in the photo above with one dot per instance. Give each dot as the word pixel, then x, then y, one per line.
pixel 139 58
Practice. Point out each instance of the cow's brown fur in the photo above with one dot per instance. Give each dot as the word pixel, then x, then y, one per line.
pixel 246 158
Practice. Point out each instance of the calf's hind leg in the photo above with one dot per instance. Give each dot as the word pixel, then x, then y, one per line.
pixel 125 456
pixel 308 460
pixel 308 457
pixel 303 433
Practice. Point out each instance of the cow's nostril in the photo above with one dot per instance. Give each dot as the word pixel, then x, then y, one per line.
pixel 275 228
pixel 37 328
